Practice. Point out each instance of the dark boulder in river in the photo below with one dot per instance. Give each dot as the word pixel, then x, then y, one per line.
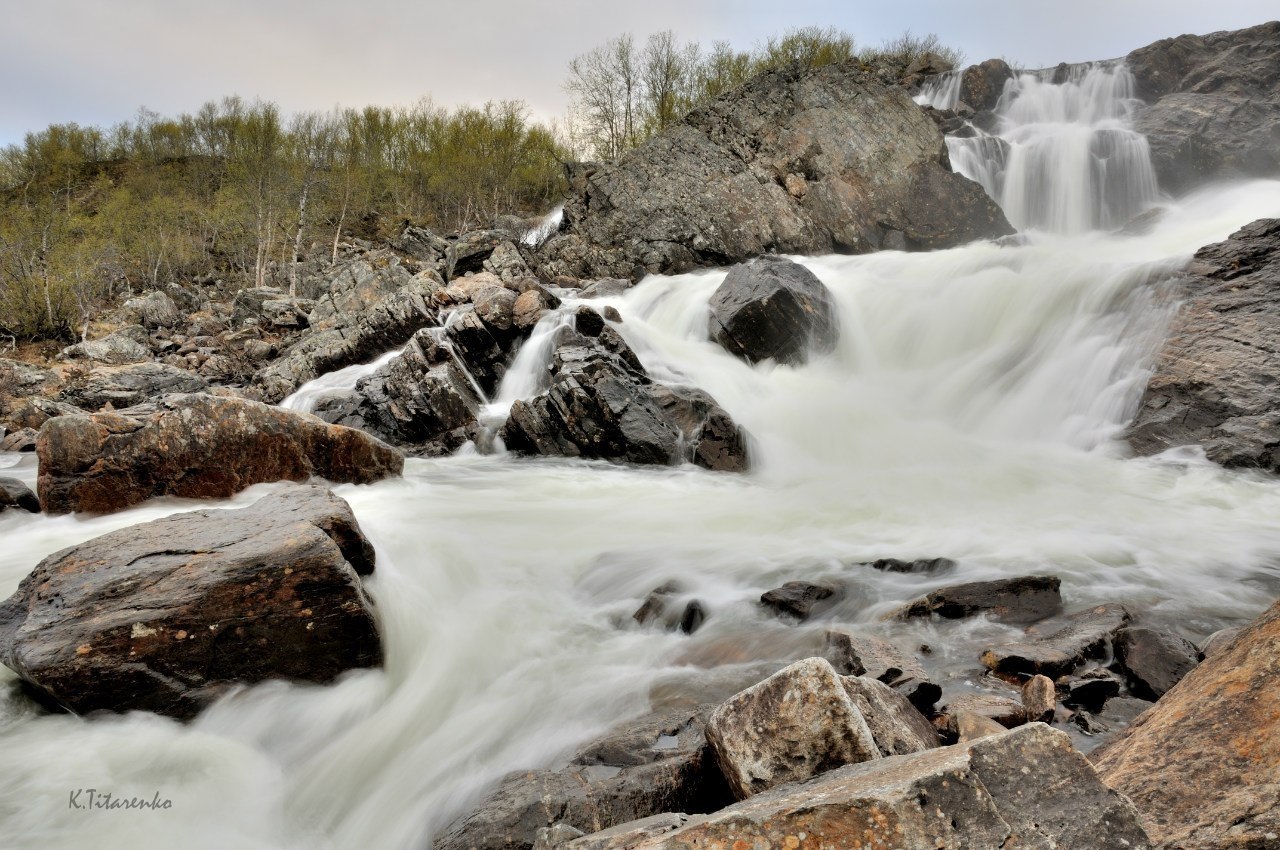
pixel 603 404
pixel 804 161
pixel 197 446
pixel 166 615
pixel 773 308
pixel 1214 105
pixel 1217 380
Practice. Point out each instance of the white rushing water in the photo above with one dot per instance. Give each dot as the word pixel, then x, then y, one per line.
pixel 971 410
pixel 338 382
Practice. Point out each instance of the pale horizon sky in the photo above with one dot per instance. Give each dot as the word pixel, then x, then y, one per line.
pixel 95 62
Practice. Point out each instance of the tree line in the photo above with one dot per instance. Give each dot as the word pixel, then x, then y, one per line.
pixel 236 189
pixel 623 92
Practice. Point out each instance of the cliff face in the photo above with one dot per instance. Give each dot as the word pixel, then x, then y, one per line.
pixel 795 161
pixel 1214 105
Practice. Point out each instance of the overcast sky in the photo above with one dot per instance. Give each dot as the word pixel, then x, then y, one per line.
pixel 98 61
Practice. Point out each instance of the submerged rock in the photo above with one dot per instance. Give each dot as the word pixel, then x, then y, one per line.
pixel 1203 764
pixel 773 309
pixel 1216 383
pixel 166 615
pixel 809 161
pixel 603 404
pixel 197 446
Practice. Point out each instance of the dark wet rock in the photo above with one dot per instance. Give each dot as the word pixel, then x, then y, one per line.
pixel 1025 788
pixel 469 252
pixel 1087 634
pixel 1214 105
pixel 166 615
pixel 125 386
pixel 155 310
pixel 896 725
pixel 1039 699
pixel 1092 689
pixel 15 494
pixel 712 189
pixel 920 565
pixel 1025 599
pixel 1218 641
pixel 422 400
pixel 798 723
pixel 854 654
pixel 1203 764
pixel 663 606
pixel 1216 383
pixel 799 599
pixel 773 309
pixel 1117 714
pixel 196 446
pixel 657 764
pixel 357 336
pixel 481 347
pixel 982 84
pixel 603 404
pixel 1153 661
pixel 127 345
pixel 588 322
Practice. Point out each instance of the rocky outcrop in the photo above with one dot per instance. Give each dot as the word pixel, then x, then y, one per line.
pixel 1015 600
pixel 1214 105
pixel 421 400
pixel 773 309
pixel 794 161
pixel 197 446
pixel 127 345
pixel 165 616
pixel 355 337
pixel 603 404
pixel 1217 382
pixel 656 764
pixel 125 386
pixel 796 724
pixel 1026 788
pixel 1203 764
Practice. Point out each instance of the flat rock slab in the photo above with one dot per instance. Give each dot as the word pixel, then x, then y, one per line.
pixel 1087 634
pixel 1026 599
pixel 197 446
pixel 1025 788
pixel 1203 764
pixel 166 615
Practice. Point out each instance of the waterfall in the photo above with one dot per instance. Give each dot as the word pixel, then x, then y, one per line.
pixel 1061 157
pixel 550 223
pixel 942 91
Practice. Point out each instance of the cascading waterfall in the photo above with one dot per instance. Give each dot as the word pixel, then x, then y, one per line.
pixel 970 411
pixel 1062 156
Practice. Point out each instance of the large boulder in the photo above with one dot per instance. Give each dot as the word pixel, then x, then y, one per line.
pixel 155 310
pixel 1203 764
pixel 166 615
pixel 126 386
pixel 796 160
pixel 656 764
pixel 197 446
pixel 773 309
pixel 127 345
pixel 421 400
pixel 1214 104
pixel 795 724
pixel 1015 600
pixel 1025 788
pixel 981 85
pixel 603 404
pixel 1216 383
pixel 358 336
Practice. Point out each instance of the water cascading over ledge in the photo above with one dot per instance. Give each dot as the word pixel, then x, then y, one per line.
pixel 1059 156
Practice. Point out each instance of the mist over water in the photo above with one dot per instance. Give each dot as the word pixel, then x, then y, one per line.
pixel 970 411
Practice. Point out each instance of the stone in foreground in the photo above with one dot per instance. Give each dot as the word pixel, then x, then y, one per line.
pixel 773 309
pixel 1026 788
pixel 796 724
pixel 196 446
pixel 1203 764
pixel 167 615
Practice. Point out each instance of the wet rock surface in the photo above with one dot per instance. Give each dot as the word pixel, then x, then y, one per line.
pixel 799 599
pixel 197 446
pixel 1018 600
pixel 1056 652
pixel 773 309
pixel 794 161
pixel 15 494
pixel 1202 764
pixel 166 615
pixel 1216 382
pixel 1153 661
